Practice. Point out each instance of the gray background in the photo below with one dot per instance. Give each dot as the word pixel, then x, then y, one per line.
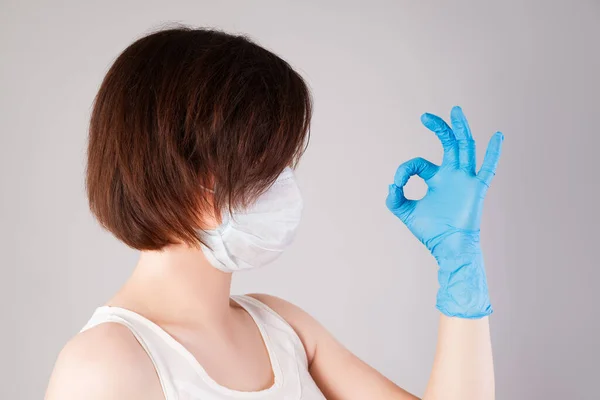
pixel 527 68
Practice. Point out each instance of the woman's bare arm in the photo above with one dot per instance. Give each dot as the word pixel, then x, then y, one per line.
pixel 462 368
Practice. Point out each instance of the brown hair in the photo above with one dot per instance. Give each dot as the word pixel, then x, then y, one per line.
pixel 181 109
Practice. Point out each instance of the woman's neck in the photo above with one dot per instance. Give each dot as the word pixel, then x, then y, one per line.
pixel 177 286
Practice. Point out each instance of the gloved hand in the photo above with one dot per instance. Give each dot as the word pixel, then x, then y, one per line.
pixel 447 219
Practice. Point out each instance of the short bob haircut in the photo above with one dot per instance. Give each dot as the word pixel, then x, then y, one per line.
pixel 183 109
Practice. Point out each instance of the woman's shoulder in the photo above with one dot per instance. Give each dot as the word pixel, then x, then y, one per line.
pixel 105 361
pixel 308 329
pixel 287 310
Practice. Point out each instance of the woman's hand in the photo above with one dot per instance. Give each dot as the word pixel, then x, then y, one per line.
pixel 447 219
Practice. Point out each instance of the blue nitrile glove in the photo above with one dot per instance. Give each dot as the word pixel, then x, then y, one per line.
pixel 447 219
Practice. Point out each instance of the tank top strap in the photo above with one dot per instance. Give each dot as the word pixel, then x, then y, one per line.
pixel 278 329
pixel 183 378
pixel 146 335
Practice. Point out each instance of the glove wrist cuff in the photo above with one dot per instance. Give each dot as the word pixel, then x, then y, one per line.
pixel 457 244
pixel 463 287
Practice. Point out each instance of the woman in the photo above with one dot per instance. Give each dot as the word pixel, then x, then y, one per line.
pixel 193 139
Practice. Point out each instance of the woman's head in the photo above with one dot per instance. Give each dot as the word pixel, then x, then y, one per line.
pixel 182 109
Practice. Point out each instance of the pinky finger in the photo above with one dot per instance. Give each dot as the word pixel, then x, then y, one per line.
pixel 490 161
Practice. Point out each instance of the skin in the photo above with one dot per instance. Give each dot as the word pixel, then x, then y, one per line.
pixel 180 291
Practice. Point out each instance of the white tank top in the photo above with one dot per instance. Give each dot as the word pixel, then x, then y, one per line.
pixel 183 378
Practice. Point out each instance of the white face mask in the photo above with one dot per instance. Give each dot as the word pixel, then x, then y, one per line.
pixel 258 235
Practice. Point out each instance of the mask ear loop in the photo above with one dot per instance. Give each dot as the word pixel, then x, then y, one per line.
pixel 225 219
pixel 207 189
